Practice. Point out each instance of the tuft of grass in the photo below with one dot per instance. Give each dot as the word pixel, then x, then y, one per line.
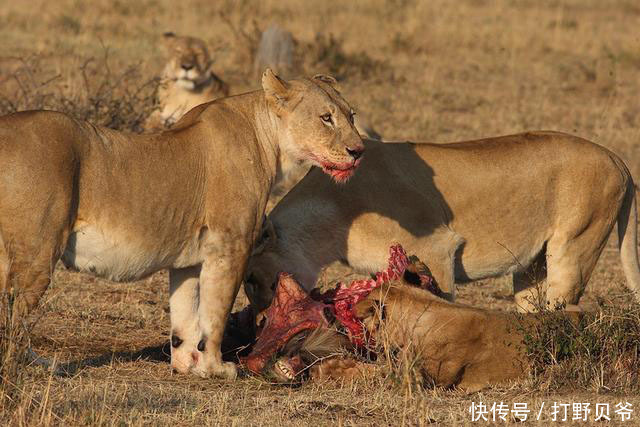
pixel 69 23
pixel 13 353
pixel 598 352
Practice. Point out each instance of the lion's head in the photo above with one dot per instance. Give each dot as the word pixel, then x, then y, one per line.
pixel 272 255
pixel 317 123
pixel 189 61
pixel 263 269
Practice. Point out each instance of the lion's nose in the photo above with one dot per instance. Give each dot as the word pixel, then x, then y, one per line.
pixel 355 152
pixel 187 67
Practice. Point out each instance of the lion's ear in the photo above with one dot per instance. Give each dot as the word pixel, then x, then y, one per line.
pixel 169 38
pixel 276 90
pixel 366 308
pixel 325 78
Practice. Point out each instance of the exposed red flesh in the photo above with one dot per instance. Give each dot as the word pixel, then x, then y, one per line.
pixel 347 296
pixel 293 310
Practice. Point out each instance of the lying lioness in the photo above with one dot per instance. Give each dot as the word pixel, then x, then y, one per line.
pixel 536 205
pixel 190 199
pixel 187 81
pixel 451 344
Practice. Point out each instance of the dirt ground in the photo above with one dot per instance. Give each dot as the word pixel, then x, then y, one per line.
pixel 415 70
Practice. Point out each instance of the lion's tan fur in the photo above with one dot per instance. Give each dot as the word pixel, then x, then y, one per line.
pixel 187 81
pixel 290 172
pixel 535 205
pixel 450 344
pixel 190 199
pixel 454 344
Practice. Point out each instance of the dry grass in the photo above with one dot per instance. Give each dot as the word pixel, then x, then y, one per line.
pixel 600 352
pixel 90 91
pixel 414 69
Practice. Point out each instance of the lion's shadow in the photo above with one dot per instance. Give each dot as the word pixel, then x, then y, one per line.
pixel 159 353
pixel 236 343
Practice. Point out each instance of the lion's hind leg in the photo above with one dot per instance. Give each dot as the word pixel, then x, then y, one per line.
pixel 571 258
pixel 570 264
pixel 28 279
pixel 31 247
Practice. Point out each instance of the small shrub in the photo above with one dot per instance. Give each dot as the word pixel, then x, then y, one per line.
pixel 600 351
pixel 93 92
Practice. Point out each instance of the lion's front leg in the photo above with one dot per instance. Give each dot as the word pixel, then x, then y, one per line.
pixel 220 280
pixel 185 327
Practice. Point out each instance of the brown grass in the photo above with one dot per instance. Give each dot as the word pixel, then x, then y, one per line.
pixel 90 91
pixel 600 352
pixel 419 70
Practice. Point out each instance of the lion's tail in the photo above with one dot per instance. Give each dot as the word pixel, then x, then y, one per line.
pixel 627 238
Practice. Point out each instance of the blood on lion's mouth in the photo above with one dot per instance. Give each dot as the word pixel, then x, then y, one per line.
pixel 340 172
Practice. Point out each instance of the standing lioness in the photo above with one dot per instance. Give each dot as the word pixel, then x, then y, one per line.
pixel 191 199
pixel 536 205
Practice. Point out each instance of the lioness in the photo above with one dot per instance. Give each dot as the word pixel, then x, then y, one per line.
pixel 190 199
pixel 187 81
pixel 455 345
pixel 533 205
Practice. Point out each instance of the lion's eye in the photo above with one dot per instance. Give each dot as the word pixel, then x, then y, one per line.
pixel 352 117
pixel 327 118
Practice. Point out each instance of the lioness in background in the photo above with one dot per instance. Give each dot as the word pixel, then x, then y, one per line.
pixel 187 81
pixel 535 205
pixel 191 199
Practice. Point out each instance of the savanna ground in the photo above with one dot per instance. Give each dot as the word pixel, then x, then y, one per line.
pixel 419 70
